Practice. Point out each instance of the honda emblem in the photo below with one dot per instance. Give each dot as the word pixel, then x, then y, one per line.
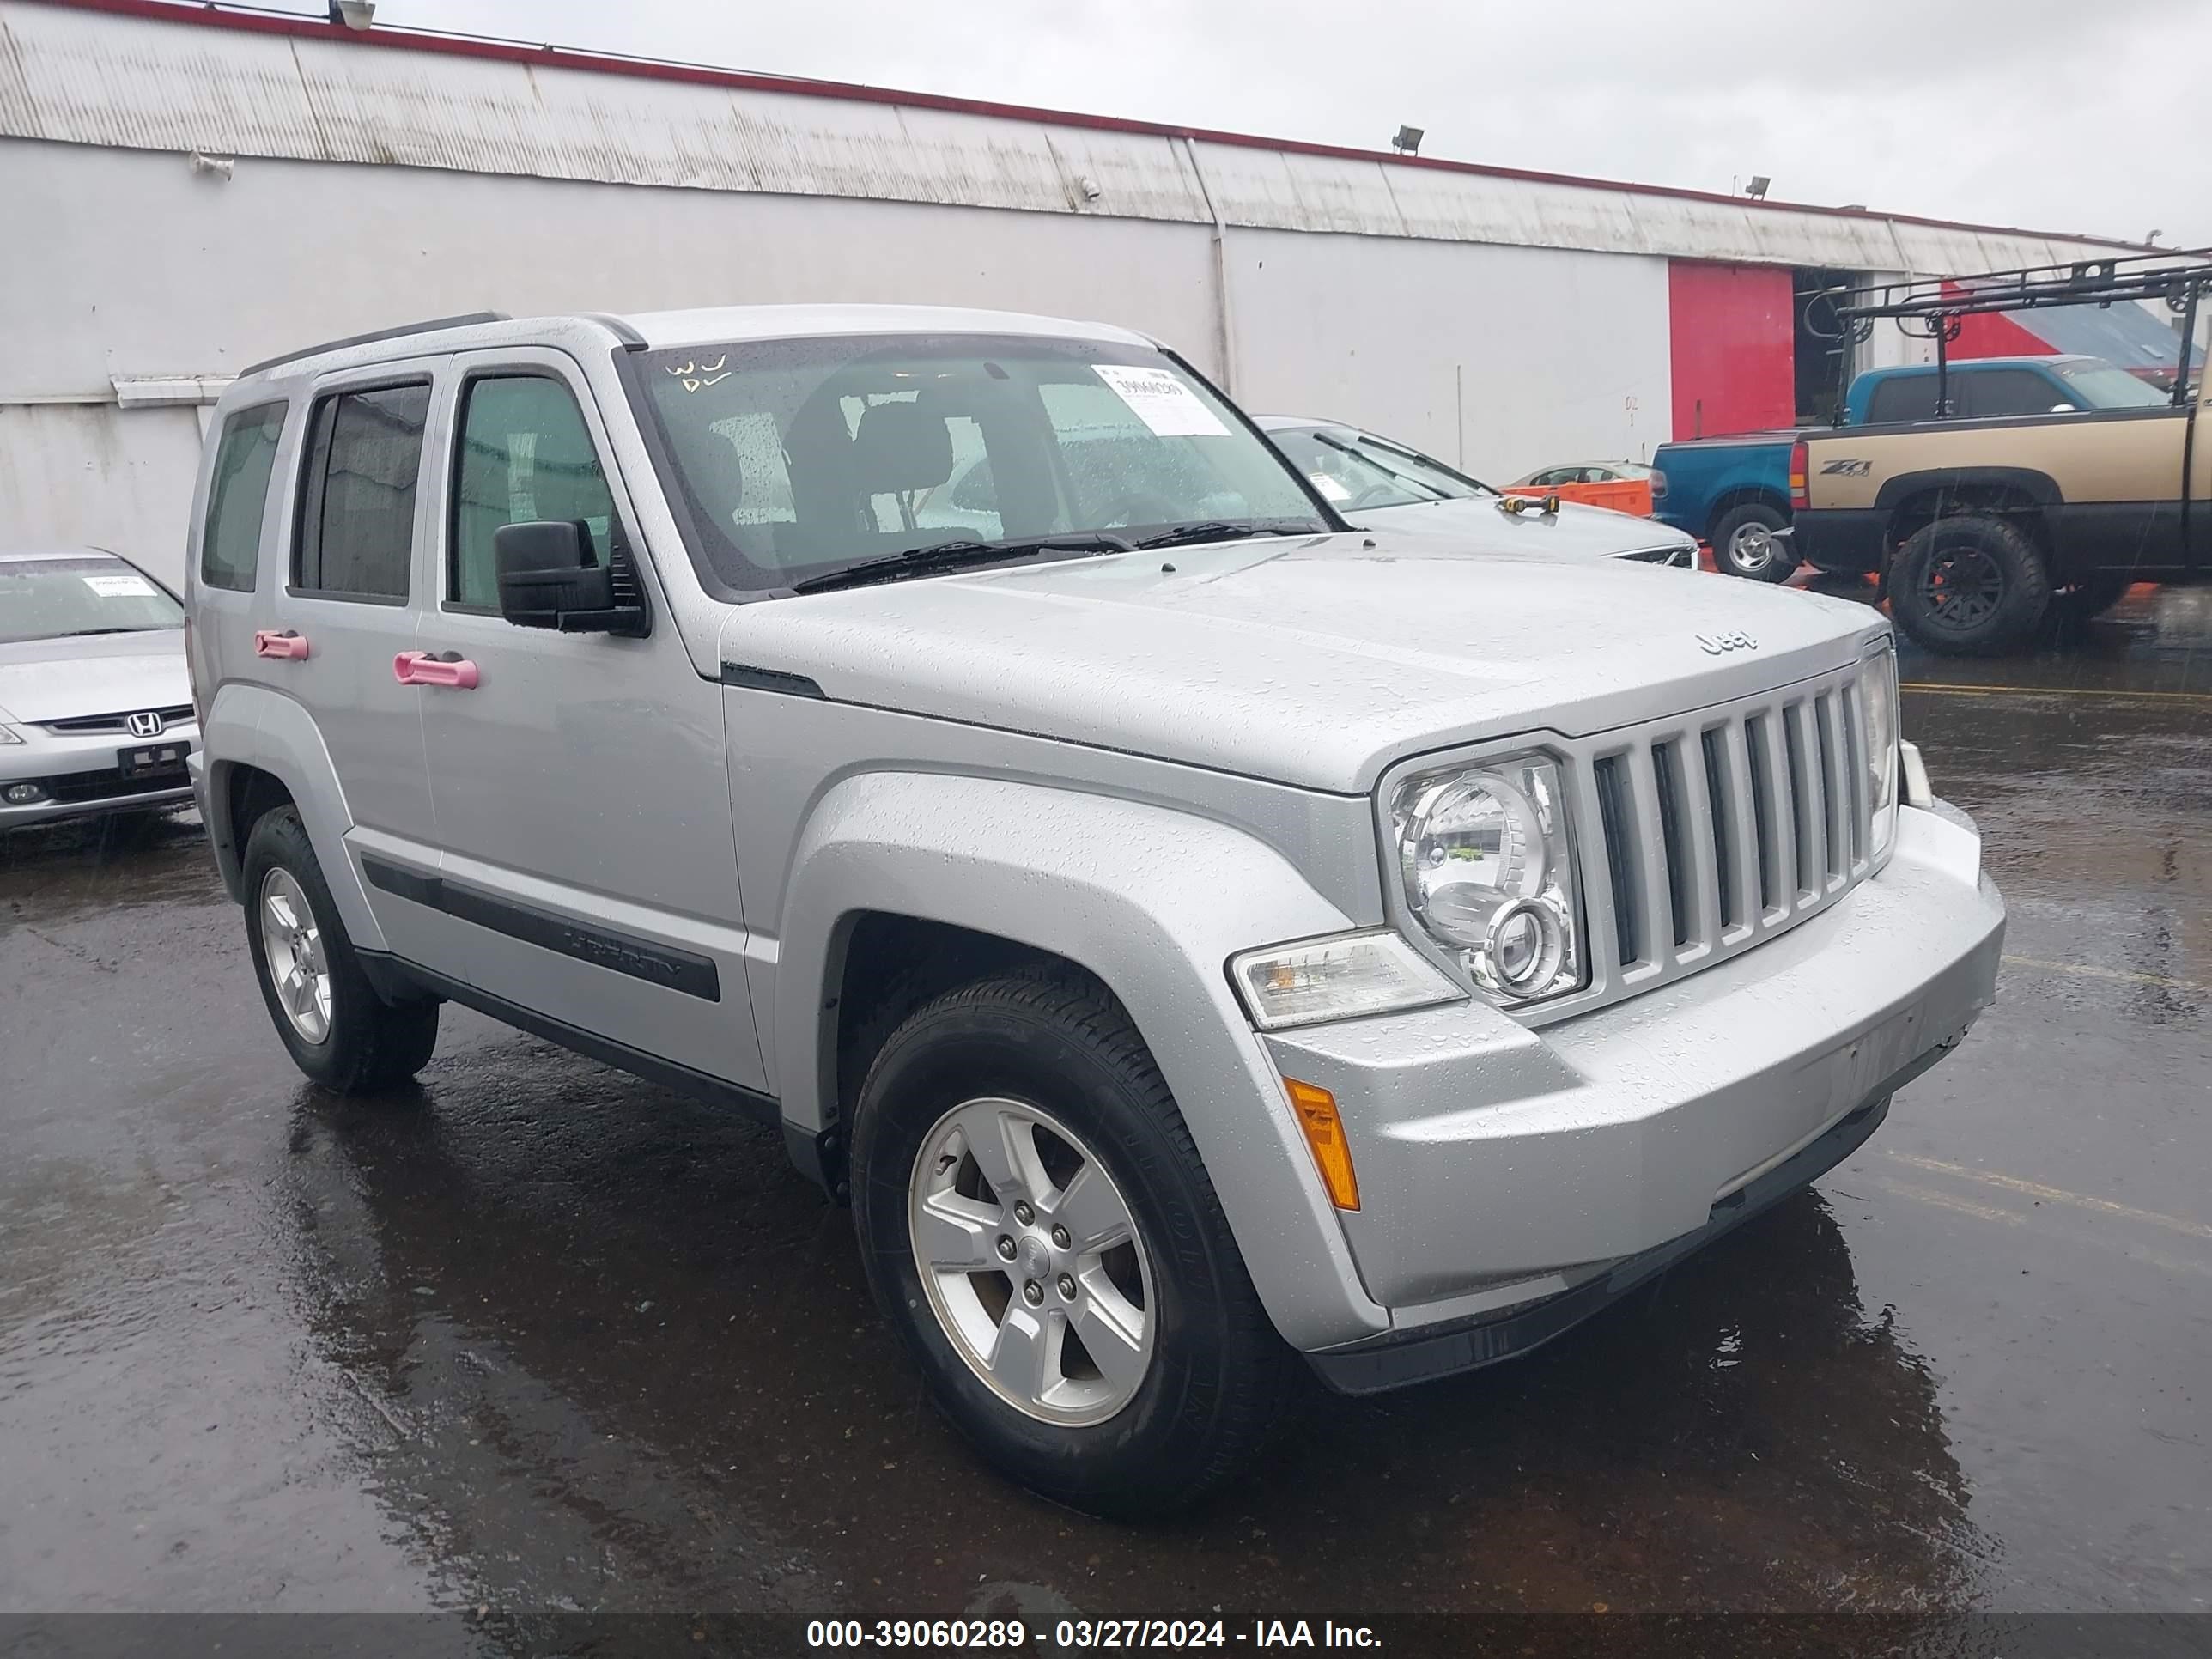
pixel 147 724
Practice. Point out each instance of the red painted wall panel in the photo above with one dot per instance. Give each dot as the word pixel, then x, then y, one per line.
pixel 1733 341
pixel 1994 335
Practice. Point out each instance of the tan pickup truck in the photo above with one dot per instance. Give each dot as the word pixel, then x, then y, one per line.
pixel 1980 528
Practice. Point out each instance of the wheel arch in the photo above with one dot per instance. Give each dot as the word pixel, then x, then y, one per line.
pixel 1745 494
pixel 1915 499
pixel 902 879
pixel 263 752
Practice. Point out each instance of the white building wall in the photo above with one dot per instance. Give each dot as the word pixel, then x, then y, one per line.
pixel 74 475
pixel 1506 319
pixel 181 272
pixel 1503 358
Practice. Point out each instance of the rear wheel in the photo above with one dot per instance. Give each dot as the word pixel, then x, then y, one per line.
pixel 328 1016
pixel 1971 586
pixel 1037 1226
pixel 1745 544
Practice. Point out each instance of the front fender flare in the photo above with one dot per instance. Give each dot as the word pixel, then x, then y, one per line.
pixel 1150 900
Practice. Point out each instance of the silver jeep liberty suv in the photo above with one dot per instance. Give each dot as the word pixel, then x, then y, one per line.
pixel 1201 941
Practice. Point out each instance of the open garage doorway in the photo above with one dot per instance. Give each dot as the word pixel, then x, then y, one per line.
pixel 1819 378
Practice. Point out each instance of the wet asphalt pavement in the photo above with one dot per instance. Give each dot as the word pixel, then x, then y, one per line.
pixel 542 1337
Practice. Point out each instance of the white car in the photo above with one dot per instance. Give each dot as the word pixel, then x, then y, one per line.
pixel 1584 472
pixel 1379 484
pixel 95 703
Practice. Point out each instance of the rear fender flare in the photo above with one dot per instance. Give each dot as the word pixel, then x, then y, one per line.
pixel 2039 486
pixel 252 726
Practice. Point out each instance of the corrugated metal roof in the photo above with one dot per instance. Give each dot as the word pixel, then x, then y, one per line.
pixel 145 74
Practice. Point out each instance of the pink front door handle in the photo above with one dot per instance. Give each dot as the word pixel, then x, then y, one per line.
pixel 421 668
pixel 268 642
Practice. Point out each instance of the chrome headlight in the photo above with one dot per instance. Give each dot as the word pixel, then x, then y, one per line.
pixel 1489 874
pixel 1878 702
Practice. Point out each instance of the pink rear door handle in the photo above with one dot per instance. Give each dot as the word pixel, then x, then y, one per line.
pixel 447 669
pixel 268 642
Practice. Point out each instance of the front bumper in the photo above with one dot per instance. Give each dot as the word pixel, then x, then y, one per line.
pixel 1427 1353
pixel 1501 1168
pixel 79 777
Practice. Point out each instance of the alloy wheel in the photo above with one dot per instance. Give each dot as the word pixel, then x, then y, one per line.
pixel 1031 1261
pixel 292 948
pixel 1750 549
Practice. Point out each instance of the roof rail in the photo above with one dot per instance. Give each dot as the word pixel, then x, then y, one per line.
pixel 466 319
pixel 630 338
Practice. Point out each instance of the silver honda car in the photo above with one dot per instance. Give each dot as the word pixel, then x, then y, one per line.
pixel 95 703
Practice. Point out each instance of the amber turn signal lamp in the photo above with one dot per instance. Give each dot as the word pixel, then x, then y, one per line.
pixel 1324 1133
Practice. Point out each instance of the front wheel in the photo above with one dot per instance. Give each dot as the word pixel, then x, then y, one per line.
pixel 1971 586
pixel 1745 544
pixel 1037 1226
pixel 328 1016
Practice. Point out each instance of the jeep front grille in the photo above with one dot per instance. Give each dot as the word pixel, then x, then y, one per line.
pixel 1724 828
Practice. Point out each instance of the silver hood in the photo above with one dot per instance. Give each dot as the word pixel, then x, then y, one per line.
pixel 1316 662
pixel 1475 525
pixel 101 674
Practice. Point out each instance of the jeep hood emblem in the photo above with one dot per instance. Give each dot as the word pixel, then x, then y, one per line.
pixel 1716 645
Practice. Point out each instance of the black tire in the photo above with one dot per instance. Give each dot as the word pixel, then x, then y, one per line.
pixel 2089 598
pixel 1218 1378
pixel 370 1045
pixel 1973 586
pixel 1744 543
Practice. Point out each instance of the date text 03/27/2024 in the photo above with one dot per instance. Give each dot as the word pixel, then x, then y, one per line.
pixel 1085 1633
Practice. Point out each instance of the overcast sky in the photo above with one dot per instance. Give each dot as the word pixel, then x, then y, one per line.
pixel 2059 115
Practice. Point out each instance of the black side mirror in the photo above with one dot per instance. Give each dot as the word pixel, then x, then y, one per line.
pixel 547 579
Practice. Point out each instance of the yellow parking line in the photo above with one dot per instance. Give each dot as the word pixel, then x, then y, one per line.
pixel 1945 1201
pixel 2051 691
pixel 2058 1195
pixel 2087 971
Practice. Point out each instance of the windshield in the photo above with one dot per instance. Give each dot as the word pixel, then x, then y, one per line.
pixel 794 459
pixel 54 598
pixel 2100 386
pixel 1356 471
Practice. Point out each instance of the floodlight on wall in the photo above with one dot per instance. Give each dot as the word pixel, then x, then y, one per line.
pixel 1408 141
pixel 354 13
pixel 1760 184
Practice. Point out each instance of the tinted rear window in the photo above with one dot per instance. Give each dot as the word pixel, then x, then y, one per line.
pixel 1906 397
pixel 1993 392
pixel 230 541
pixel 357 495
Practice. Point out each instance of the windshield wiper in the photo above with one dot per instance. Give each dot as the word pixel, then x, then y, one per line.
pixel 952 555
pixel 1362 453
pixel 80 633
pixel 1225 530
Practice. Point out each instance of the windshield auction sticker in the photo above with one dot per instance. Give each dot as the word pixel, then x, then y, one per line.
pixel 120 588
pixel 1168 407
